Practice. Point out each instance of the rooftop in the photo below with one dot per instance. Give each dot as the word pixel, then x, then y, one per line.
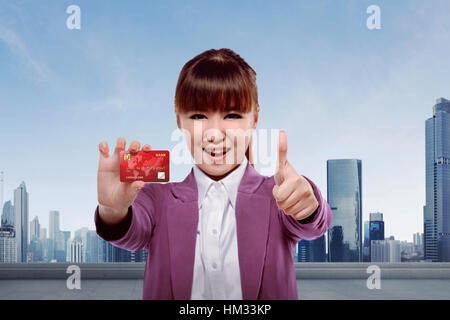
pixel 314 281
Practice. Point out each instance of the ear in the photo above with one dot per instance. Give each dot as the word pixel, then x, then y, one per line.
pixel 255 118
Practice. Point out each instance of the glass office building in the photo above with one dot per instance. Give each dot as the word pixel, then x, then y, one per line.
pixel 312 250
pixel 366 243
pixel 437 173
pixel 21 221
pixel 344 198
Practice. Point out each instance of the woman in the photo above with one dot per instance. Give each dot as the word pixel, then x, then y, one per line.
pixel 225 231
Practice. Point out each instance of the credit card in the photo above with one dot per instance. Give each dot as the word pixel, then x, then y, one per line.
pixel 147 166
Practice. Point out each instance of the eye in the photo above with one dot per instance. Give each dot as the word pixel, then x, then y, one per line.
pixel 233 116
pixel 197 116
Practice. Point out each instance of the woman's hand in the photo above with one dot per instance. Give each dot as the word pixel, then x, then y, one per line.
pixel 114 196
pixel 293 193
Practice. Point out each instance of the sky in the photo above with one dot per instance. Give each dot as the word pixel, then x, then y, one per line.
pixel 338 89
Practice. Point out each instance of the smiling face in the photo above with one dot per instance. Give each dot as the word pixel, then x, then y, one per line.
pixel 217 140
pixel 216 104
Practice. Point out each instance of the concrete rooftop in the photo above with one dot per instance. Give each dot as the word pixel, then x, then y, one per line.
pixel 346 281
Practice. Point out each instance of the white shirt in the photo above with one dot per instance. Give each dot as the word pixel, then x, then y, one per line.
pixel 216 267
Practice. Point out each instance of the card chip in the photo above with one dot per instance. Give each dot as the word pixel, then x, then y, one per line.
pixel 126 156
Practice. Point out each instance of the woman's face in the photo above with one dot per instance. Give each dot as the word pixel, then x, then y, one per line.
pixel 217 140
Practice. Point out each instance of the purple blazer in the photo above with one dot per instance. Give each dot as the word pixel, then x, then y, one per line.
pixel 163 220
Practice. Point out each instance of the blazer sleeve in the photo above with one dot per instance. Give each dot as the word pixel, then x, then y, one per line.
pixel 134 232
pixel 313 226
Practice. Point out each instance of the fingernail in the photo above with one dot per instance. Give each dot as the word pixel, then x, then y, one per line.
pixel 106 149
pixel 133 148
pixel 119 145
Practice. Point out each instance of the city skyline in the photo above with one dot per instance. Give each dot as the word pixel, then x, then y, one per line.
pixel 54 218
pixel 344 242
pixel 338 89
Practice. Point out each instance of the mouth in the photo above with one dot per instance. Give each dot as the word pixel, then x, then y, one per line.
pixel 216 154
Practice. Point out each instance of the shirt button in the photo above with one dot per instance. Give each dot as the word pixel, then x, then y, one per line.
pixel 214 231
pixel 214 265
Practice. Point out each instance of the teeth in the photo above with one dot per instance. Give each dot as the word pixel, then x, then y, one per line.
pixel 216 153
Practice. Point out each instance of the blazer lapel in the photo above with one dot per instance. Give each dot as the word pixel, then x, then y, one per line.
pixel 252 224
pixel 182 221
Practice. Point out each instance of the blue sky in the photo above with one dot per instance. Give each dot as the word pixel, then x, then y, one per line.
pixel 338 89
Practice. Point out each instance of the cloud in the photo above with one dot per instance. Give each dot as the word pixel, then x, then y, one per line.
pixel 15 44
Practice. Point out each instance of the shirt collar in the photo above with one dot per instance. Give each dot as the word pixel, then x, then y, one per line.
pixel 230 182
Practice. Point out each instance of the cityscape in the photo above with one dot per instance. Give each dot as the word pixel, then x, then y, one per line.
pixel 349 239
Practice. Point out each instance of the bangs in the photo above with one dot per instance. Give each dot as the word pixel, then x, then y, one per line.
pixel 216 81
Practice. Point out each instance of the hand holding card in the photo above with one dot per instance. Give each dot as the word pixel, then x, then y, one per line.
pixel 114 196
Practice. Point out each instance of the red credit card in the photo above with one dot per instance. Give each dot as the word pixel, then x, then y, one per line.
pixel 147 166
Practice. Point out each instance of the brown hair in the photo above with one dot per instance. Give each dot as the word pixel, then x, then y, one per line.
pixel 217 80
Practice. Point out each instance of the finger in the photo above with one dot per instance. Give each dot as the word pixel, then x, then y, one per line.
pixel 120 145
pixel 292 199
pixel 281 192
pixel 146 148
pixel 103 148
pixel 134 146
pixel 295 209
pixel 304 213
pixel 282 149
pixel 137 185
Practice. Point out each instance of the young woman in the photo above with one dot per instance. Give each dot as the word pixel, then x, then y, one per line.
pixel 225 231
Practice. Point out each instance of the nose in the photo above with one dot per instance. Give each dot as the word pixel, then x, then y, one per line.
pixel 214 131
pixel 214 135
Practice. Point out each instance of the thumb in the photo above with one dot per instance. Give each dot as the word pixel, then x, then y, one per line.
pixel 282 149
pixel 135 187
pixel 282 157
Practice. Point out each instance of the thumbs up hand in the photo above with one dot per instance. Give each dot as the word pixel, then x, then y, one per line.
pixel 293 193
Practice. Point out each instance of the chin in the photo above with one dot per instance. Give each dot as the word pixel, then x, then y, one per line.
pixel 216 169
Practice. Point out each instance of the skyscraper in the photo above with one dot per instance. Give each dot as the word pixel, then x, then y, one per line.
pixel 385 251
pixel 8 214
pixel 93 247
pixel 1 189
pixel 418 243
pixel 376 228
pixel 344 197
pixel 8 249
pixel 53 225
pixel 76 251
pixel 21 221
pixel 437 173
pixel 53 232
pixel 43 233
pixel 312 250
pixel 35 228
pixel 82 235
pixel 366 242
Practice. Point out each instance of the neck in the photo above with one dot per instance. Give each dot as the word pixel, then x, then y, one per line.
pixel 217 178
